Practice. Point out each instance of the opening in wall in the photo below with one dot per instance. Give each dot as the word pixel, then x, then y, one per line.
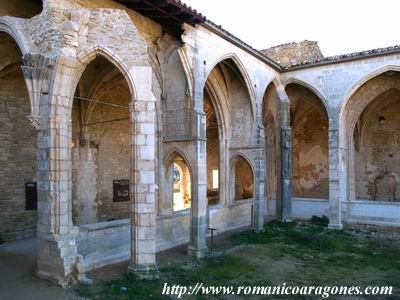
pixel 244 180
pixel 179 189
pixel 100 146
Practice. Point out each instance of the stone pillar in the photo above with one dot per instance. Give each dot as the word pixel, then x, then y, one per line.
pixel 57 252
pixel 335 218
pixel 197 246
pixel 143 204
pixel 286 162
pixel 259 184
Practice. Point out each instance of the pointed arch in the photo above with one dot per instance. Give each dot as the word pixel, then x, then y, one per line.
pixel 308 86
pixel 242 187
pixel 362 94
pixel 173 154
pixel 7 26
pixel 180 199
pixel 244 76
pixel 86 56
pixel 361 82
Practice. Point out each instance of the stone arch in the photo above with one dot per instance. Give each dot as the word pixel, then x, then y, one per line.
pixel 172 154
pixel 244 75
pixel 86 56
pixel 310 87
pixel 364 93
pixel 167 206
pixel 244 185
pixel 7 26
pixel 101 143
pixel 362 81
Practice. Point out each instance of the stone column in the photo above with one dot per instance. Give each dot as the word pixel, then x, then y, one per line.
pixel 286 162
pixel 198 223
pixel 143 162
pixel 57 252
pixel 259 183
pixel 335 218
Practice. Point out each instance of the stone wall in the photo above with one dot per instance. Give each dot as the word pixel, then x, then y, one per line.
pixel 109 242
pixel 294 53
pixel 377 150
pixel 309 144
pixel 17 156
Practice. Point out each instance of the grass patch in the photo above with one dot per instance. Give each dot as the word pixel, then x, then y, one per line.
pixel 298 253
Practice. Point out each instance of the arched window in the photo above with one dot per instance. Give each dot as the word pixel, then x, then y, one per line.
pixel 178 194
pixel 244 179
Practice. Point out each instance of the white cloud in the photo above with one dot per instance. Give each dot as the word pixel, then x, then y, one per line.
pixel 339 26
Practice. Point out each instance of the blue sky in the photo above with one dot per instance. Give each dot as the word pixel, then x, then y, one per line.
pixel 339 26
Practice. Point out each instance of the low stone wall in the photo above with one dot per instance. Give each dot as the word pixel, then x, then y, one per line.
pixel 107 243
pixel 173 230
pixel 104 243
pixel 373 212
pixel 234 216
pixel 302 208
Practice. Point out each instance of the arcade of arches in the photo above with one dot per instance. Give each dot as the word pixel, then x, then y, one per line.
pixel 123 134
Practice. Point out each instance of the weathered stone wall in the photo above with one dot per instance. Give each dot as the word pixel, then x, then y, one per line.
pixel 294 53
pixel 377 160
pixel 18 162
pixel 309 144
pixel 109 242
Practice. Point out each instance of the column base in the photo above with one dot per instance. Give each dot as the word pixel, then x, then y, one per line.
pixel 197 253
pixel 147 272
pixel 335 226
pixel 57 258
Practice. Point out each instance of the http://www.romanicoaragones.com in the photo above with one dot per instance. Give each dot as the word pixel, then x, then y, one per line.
pixel 280 290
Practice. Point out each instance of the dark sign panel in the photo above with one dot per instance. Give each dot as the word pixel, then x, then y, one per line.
pixel 31 195
pixel 121 190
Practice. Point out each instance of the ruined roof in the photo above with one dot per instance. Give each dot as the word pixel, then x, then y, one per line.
pixel 347 57
pixel 294 53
